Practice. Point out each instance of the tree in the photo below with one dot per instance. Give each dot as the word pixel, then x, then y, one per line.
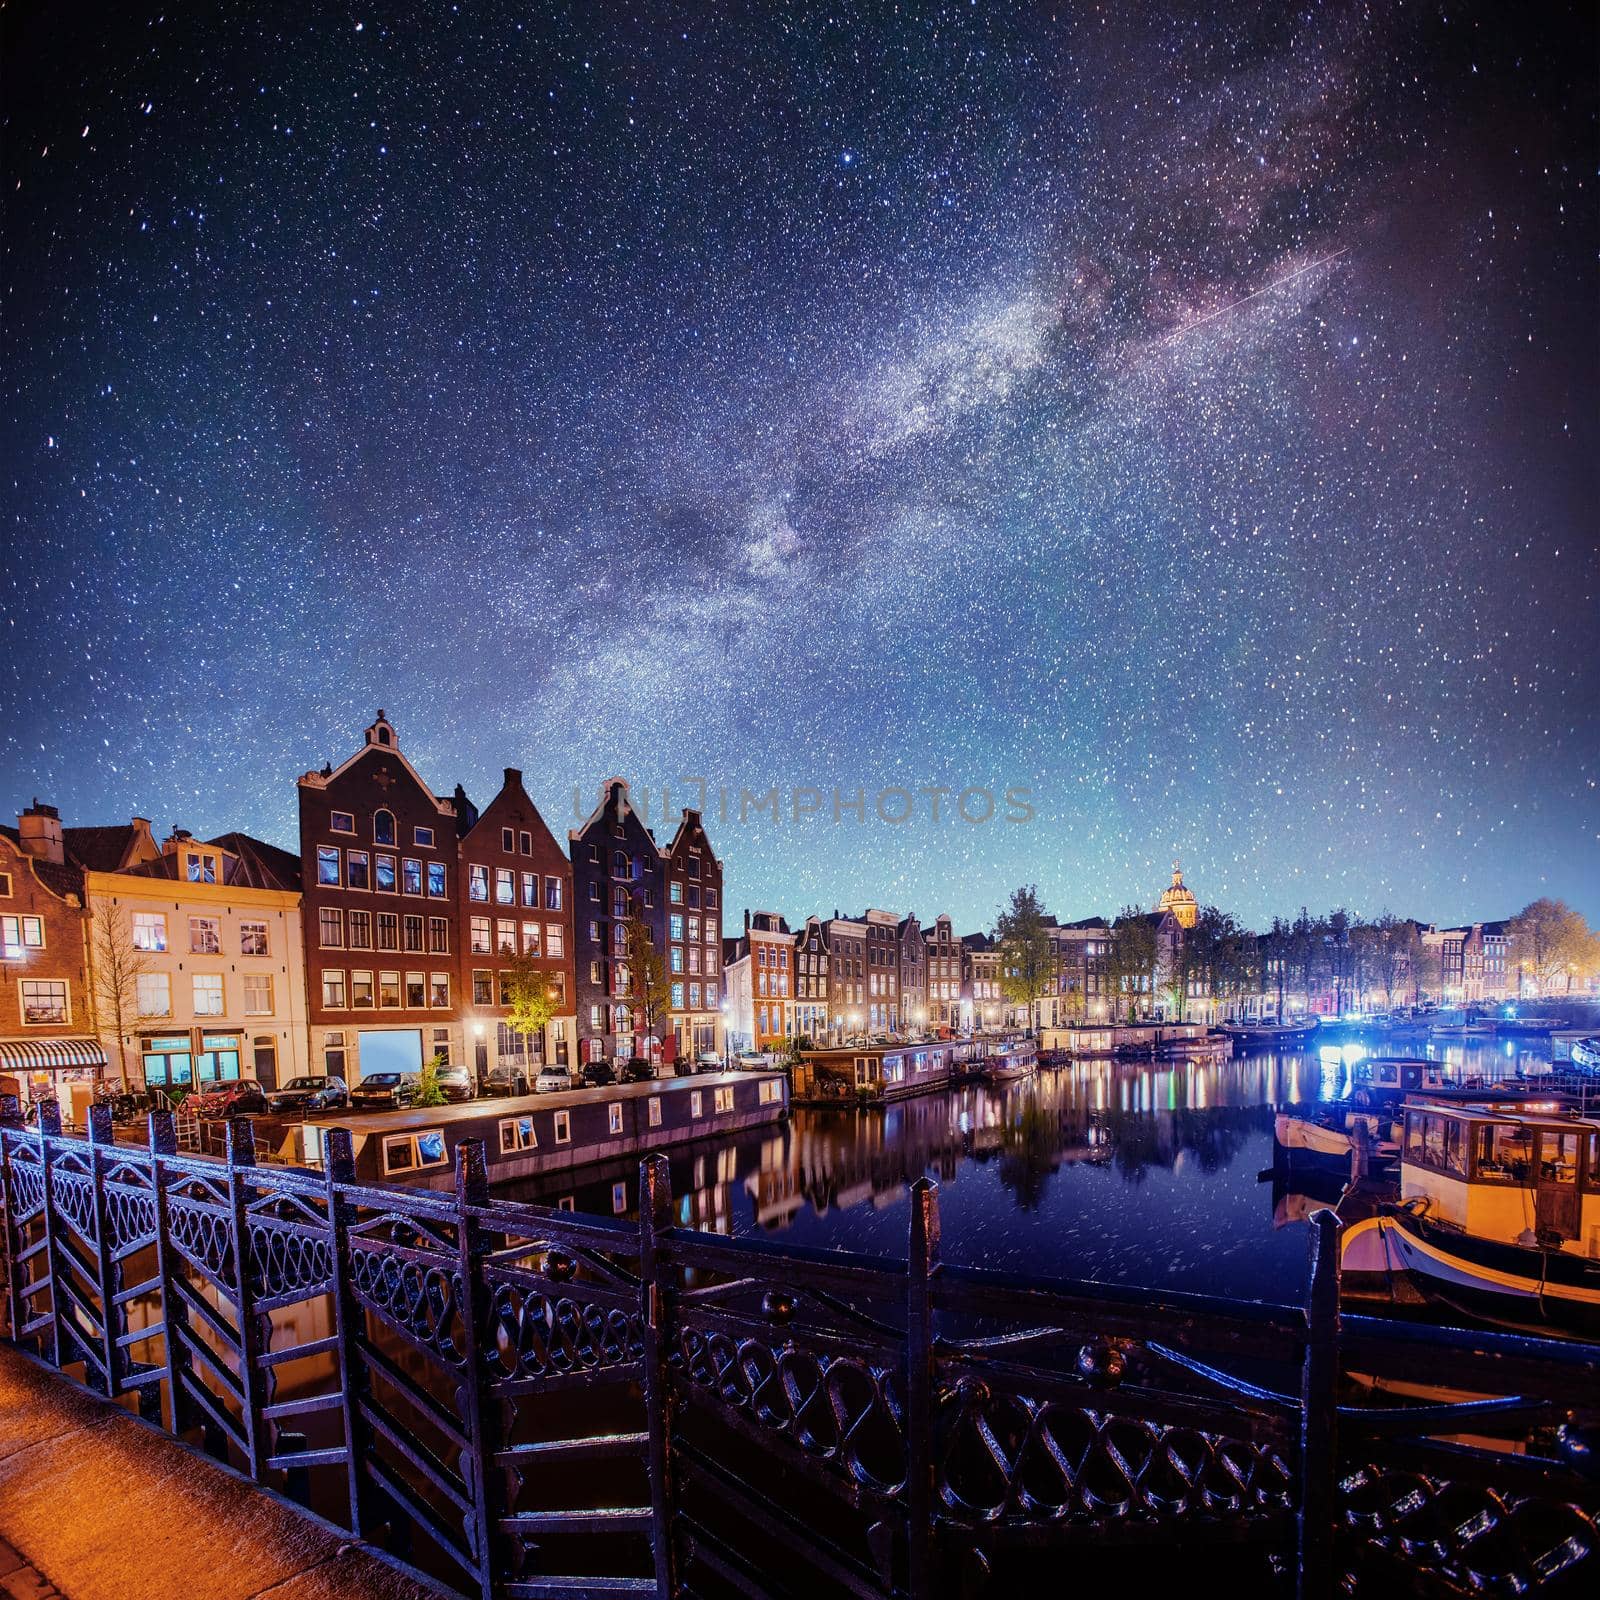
pixel 1133 957
pixel 1026 965
pixel 115 966
pixel 1276 947
pixel 1389 954
pixel 647 990
pixel 529 996
pixel 1550 944
pixel 430 1092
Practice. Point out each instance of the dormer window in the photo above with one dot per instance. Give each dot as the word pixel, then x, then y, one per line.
pixel 383 827
pixel 200 868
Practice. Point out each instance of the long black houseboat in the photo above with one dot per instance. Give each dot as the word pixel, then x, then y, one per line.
pixel 533 1134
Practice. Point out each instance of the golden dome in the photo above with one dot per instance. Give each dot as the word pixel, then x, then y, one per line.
pixel 1179 900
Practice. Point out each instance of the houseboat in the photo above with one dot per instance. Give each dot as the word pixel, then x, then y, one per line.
pixel 529 1135
pixel 999 1061
pixel 1266 1035
pixel 874 1074
pixel 1499 1215
pixel 1090 1042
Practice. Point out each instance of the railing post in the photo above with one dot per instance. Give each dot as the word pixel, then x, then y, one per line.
pixel 922 1262
pixel 164 1142
pixel 349 1324
pixel 1319 1399
pixel 472 1189
pixel 657 1318
pixel 241 1149
pixel 101 1135
pixel 49 1131
pixel 10 1121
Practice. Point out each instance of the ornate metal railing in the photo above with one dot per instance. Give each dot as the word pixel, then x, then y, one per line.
pixel 534 1403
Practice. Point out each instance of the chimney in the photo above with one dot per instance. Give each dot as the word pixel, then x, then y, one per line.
pixel 513 776
pixel 747 919
pixel 39 828
pixel 175 841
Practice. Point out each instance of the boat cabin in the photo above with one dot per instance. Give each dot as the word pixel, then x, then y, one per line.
pixel 1393 1077
pixel 1505 1173
pixel 880 1072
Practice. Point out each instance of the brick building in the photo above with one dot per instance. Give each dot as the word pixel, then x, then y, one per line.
pixel 846 942
pixel 913 975
pixel 883 970
pixel 811 995
pixel 694 940
pixel 514 893
pixel 944 973
pixel 378 851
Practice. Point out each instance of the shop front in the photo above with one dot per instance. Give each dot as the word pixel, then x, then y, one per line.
pixel 44 1069
pixel 185 1061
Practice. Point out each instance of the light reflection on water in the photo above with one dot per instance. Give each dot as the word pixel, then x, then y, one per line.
pixel 1138 1173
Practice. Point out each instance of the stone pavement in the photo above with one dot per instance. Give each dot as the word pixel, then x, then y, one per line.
pixel 96 1505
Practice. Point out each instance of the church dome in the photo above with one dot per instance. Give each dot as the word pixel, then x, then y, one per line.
pixel 1180 900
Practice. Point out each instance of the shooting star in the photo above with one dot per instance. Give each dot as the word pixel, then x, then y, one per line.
pixel 1266 288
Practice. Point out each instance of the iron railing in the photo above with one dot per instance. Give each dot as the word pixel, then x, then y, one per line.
pixel 536 1403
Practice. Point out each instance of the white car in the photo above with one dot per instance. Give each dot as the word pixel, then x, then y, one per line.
pixel 551 1080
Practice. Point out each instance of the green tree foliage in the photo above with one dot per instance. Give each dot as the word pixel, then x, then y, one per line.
pixel 1026 965
pixel 430 1092
pixel 528 995
pixel 648 990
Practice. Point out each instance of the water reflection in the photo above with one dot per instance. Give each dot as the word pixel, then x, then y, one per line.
pixel 1130 1172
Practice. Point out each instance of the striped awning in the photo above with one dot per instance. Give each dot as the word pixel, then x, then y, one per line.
pixel 50 1055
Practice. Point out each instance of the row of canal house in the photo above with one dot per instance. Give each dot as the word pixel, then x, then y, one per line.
pixel 387 938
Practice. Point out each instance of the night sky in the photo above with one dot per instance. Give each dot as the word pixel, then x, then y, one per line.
pixel 1186 413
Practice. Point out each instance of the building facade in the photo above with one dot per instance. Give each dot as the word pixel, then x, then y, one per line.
pixel 514 894
pixel 694 941
pixel 811 981
pixel 983 1005
pixel 772 952
pixel 913 975
pixel 944 973
pixel 210 935
pixel 847 974
pixel 378 852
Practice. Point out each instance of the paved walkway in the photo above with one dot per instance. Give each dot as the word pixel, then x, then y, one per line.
pixel 96 1505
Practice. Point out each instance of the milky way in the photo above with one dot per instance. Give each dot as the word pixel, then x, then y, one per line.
pixel 1187 415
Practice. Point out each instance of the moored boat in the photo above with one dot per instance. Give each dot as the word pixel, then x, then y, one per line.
pixel 1270 1035
pixel 1499 1214
pixel 1585 1053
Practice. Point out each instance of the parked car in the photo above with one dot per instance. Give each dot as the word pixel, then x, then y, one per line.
pixel 503 1082
pixel 243 1098
pixel 383 1091
pixel 708 1061
pixel 597 1074
pixel 638 1069
pixel 751 1061
pixel 301 1095
pixel 457 1084
pixel 551 1080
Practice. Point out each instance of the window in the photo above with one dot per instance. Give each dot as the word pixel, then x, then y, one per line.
pixel 675 925
pixel 383 827
pixel 388 931
pixel 208 994
pixel 361 990
pixel 5 885
pixel 328 864
pixel 508 840
pixel 516 1133
pixel 342 822
pixel 594 932
pixel 482 987
pixel 422 838
pixel 694 996
pixel 694 1102
pixel 258 994
pixel 411 875
pixel 769 1091
pixel 360 930
pixel 530 938
pixel 675 892
pixel 505 888
pixel 416 991
pixel 252 938
pixel 149 930
pixel 333 1054
pixel 482 936
pixel 201 868
pixel 530 889
pixel 563 1127
pixel 596 1019
pixel 655 1111
pixel 333 998
pixel 594 891
pixel 553 942
pixel 205 936
pixel 552 894
pixel 386 874
pixel 711 996
pixel 711 899
pixel 436 880
pixel 477 883
pixel 505 988
pixel 413 933
pixel 614 1116
pixel 619 902
pixel 413 1152
pixel 506 933
pixel 389 991
pixel 45 1001
pixel 356 865
pixel 154 994
pixel 724 1098
pixel 439 991
pixel 439 936
pixel 19 934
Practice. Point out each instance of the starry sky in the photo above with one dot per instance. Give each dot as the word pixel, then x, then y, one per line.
pixel 1186 413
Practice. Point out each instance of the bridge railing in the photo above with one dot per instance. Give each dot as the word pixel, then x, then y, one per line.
pixel 531 1402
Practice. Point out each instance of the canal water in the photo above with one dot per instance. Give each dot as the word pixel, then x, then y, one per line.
pixel 1137 1173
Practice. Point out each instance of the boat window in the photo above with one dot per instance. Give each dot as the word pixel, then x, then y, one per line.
pixel 516 1133
pixel 1455 1147
pixel 1591 1174
pixel 409 1152
pixel 1433 1141
pixel 1558 1157
pixel 1502 1153
pixel 1414 1136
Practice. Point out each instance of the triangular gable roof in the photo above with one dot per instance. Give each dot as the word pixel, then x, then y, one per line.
pixel 512 787
pixel 320 780
pixel 61 878
pixel 687 821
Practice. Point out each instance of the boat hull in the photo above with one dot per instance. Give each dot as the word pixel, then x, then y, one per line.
pixel 1503 1283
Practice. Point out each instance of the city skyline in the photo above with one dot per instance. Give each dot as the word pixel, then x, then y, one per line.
pixel 1189 418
